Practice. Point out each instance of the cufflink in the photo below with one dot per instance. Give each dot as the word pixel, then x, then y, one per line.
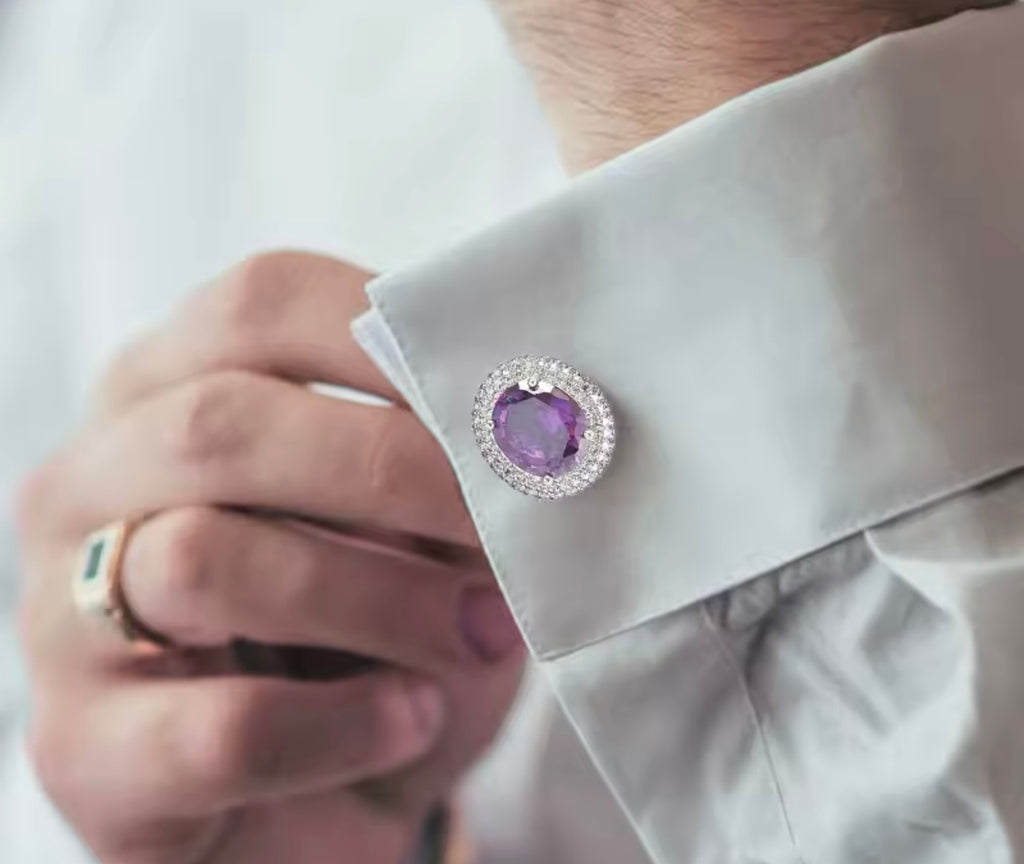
pixel 544 428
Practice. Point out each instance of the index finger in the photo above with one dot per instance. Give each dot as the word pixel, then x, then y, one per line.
pixel 242 440
pixel 285 314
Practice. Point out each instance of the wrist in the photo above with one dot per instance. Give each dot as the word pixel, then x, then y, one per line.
pixel 613 74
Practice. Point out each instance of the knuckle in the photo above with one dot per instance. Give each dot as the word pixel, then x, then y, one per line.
pixel 204 425
pixel 377 717
pixel 173 556
pixel 388 463
pixel 388 724
pixel 254 293
pixel 406 473
pixel 226 746
pixel 297 593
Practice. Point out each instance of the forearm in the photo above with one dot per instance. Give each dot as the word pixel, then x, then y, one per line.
pixel 615 73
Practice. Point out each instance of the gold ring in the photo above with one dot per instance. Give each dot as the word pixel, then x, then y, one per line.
pixel 98 589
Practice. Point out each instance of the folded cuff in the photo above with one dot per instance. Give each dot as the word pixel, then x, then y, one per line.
pixel 804 307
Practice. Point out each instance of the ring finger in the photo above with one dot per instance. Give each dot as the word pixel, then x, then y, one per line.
pixel 205 576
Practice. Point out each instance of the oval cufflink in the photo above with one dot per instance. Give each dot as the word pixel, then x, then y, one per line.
pixel 546 429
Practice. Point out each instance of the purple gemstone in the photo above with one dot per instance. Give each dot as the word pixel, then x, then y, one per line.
pixel 539 432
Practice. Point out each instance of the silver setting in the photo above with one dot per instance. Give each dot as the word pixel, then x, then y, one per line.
pixel 544 374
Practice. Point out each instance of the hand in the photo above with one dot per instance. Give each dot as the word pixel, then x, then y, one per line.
pixel 283 517
pixel 613 74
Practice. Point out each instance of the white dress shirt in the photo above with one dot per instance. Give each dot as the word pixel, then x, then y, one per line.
pixel 772 641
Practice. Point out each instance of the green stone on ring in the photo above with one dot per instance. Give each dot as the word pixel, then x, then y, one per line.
pixel 92 565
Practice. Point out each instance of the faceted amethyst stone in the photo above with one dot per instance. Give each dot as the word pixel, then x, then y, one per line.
pixel 539 432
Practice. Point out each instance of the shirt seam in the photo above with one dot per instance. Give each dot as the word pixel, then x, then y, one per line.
pixel 760 728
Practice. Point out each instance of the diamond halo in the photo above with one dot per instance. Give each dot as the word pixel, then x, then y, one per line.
pixel 544 375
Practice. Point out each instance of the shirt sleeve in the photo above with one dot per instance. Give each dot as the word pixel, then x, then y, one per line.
pixel 804 307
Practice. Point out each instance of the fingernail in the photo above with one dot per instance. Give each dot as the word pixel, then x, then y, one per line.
pixel 427 707
pixel 487 623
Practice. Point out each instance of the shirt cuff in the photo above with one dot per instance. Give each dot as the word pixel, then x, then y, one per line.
pixel 804 307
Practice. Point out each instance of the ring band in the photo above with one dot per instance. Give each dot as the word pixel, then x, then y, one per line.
pixel 98 589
